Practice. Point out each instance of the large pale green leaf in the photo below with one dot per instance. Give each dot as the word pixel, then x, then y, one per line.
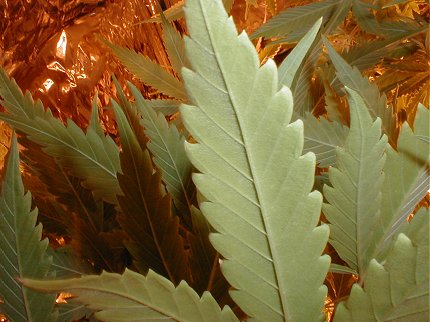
pixel 149 72
pixel 91 157
pixel 288 69
pixel 134 297
pixel 375 102
pixel 297 18
pixel 354 197
pixel 22 252
pixel 406 179
pixel 398 290
pixel 322 138
pixel 146 214
pixel 252 172
pixel 167 146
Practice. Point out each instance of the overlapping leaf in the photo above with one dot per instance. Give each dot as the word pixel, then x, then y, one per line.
pixel 252 172
pixel 322 138
pixel 204 260
pixel 288 69
pixel 406 179
pixel 167 146
pixel 174 46
pixel 22 252
pixel 354 199
pixel 146 214
pixel 91 157
pixel 369 23
pixel 149 72
pixel 397 290
pixel 375 102
pixel 67 264
pixel 134 297
pixel 297 18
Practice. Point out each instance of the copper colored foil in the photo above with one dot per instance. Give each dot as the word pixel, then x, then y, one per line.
pixel 51 48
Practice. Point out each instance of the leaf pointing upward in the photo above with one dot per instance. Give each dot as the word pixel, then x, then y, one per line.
pixel 354 200
pixel 252 172
pixel 154 233
pixel 22 253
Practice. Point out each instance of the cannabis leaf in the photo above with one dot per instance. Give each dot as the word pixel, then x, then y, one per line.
pixel 354 199
pixel 398 290
pixel 375 102
pixel 167 146
pixel 297 18
pixel 406 179
pixel 288 69
pixel 149 72
pixel 322 138
pixel 146 214
pixel 22 252
pixel 174 45
pixel 88 156
pixel 252 172
pixel 134 297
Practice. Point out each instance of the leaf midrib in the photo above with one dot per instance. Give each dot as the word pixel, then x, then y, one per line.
pixel 252 170
pixel 86 156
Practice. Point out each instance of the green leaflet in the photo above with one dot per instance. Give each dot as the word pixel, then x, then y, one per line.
pixel 406 179
pixel 66 264
pixel 174 45
pixel 297 18
pixel 369 23
pixel 204 260
pixel 288 69
pixel 67 191
pixel 167 146
pixel 397 290
pixel 354 199
pixel 322 138
pixel 146 214
pixel 252 172
pixel 22 253
pixel 134 297
pixel 149 72
pixel 166 107
pixel 88 156
pixel 375 102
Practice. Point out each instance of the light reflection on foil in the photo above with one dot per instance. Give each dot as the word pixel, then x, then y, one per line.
pixel 48 84
pixel 61 45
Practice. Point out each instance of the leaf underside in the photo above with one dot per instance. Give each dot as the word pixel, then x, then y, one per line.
pixel 22 252
pixel 354 197
pixel 146 214
pixel 134 297
pixel 90 156
pixel 399 289
pixel 252 172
